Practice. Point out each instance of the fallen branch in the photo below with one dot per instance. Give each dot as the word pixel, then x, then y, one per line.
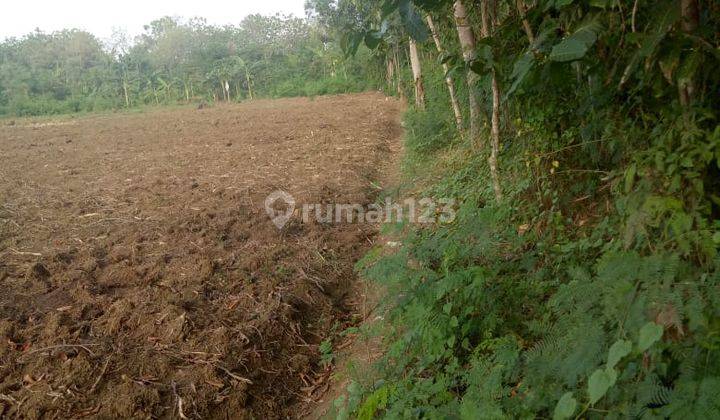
pixel 234 376
pixel 16 252
pixel 61 346
pixel 9 399
pixel 99 378
pixel 179 401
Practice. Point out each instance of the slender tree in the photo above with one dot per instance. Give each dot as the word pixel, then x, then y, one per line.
pixel 416 66
pixel 467 43
pixel 522 10
pixel 495 119
pixel 389 71
pixel 396 60
pixel 690 13
pixel 448 80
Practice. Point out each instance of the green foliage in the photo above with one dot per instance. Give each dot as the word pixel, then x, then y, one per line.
pixel 412 21
pixel 618 351
pixel 378 400
pixel 175 62
pixel 593 289
pixel 599 383
pixel 565 407
pixel 326 352
pixel 650 333
pixel 575 46
pixel 427 131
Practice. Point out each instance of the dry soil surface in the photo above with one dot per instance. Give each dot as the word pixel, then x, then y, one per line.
pixel 141 276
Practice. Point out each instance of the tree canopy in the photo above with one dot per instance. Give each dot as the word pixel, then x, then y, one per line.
pixel 172 61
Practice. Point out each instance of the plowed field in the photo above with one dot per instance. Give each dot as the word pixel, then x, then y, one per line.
pixel 141 276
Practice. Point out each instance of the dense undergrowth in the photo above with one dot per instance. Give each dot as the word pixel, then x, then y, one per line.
pixel 48 105
pixel 592 290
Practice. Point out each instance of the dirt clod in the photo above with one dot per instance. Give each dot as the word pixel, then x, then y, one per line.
pixel 141 274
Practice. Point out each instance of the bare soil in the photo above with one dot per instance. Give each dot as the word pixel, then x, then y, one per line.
pixel 141 276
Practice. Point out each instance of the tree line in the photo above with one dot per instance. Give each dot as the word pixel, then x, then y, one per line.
pixel 494 43
pixel 172 61
pixel 581 277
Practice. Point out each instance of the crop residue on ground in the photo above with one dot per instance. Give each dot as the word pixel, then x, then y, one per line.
pixel 141 275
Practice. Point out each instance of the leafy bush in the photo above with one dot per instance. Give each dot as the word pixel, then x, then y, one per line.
pixel 593 289
pixel 335 85
pixel 288 89
pixel 619 317
pixel 428 130
pixel 25 107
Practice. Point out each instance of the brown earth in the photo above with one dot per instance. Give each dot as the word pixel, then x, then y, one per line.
pixel 141 276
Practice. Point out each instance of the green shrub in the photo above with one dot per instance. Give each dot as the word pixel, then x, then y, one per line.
pixel 592 290
pixel 428 130
pixel 493 323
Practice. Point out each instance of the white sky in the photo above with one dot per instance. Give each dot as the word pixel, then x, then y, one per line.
pixel 19 17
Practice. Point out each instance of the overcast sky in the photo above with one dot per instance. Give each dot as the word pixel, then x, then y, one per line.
pixel 19 17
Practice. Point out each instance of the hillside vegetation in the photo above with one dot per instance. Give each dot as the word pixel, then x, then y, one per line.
pixel 580 278
pixel 173 61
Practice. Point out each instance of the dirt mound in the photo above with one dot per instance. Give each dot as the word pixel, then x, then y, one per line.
pixel 141 275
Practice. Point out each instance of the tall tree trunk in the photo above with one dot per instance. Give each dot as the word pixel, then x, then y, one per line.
pixel 398 75
pixel 495 120
pixel 417 75
pixel 390 72
pixel 448 79
pixel 495 150
pixel 522 10
pixel 247 79
pixel 484 19
pixel 467 43
pixel 690 13
pixel 125 92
